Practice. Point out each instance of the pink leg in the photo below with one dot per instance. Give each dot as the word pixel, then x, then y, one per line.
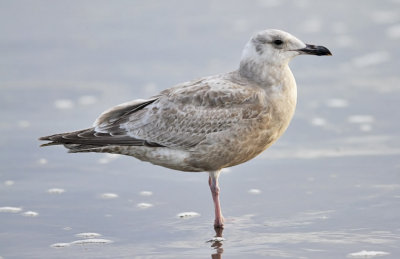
pixel 214 187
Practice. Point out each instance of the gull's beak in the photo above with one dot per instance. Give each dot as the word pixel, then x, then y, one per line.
pixel 315 50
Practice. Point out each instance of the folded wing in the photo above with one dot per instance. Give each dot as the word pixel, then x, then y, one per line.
pixel 180 117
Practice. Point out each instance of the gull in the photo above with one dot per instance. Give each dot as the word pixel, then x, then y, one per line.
pixel 207 124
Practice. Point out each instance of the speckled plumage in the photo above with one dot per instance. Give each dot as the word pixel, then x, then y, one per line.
pixel 206 124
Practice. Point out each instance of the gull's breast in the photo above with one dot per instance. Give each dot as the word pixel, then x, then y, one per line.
pixel 249 137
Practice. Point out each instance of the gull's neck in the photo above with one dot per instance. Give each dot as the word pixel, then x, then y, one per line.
pixel 276 80
pixel 264 73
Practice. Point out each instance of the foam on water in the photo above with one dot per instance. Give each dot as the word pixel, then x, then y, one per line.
pixel 188 214
pixel 91 241
pixel 64 104
pixel 109 196
pixel 337 103
pixel 226 170
pixel 144 205
pixel 10 209
pixel 145 193
pixel 88 235
pixel 9 183
pixel 55 190
pixel 393 32
pixel 108 158
pixel 367 254
pixel 318 122
pixel 30 214
pixel 254 191
pixel 360 119
pixel 60 245
pixel 42 161
pixel 365 127
pixel 87 100
pixel 85 239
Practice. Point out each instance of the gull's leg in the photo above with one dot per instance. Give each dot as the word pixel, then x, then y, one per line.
pixel 214 187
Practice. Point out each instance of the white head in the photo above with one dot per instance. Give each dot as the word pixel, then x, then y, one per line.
pixel 272 46
pixel 275 48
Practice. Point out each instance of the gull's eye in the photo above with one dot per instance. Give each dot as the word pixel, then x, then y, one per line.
pixel 278 42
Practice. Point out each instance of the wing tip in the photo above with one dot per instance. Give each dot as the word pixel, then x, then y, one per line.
pixel 49 144
pixel 46 138
pixel 51 140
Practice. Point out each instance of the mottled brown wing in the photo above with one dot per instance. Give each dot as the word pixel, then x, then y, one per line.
pixel 183 116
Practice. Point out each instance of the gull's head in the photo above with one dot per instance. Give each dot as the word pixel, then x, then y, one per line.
pixel 276 47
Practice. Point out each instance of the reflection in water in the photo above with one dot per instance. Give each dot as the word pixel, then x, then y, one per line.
pixel 216 243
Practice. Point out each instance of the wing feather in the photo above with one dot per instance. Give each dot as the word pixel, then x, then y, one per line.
pixel 183 116
pixel 119 112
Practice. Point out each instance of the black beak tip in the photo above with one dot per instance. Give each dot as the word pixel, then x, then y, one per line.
pixel 316 50
pixel 325 51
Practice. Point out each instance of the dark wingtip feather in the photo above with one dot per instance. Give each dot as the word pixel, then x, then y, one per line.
pixel 50 144
pixel 44 138
pixel 51 139
pixel 86 140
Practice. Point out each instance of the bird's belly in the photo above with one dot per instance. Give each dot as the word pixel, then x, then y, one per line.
pixel 162 156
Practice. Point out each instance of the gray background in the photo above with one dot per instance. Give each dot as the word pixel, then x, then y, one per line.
pixel 329 188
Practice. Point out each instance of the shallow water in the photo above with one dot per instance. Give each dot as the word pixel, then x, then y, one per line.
pixel 329 188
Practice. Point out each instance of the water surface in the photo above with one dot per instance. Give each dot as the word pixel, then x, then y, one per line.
pixel 329 188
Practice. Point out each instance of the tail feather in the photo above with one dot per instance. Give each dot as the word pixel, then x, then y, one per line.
pixel 82 148
pixel 49 144
pixel 63 138
pixel 88 140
